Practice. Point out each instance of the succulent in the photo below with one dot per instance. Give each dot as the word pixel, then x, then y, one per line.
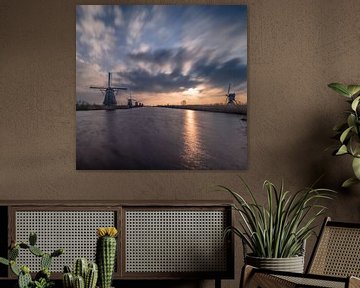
pixel 85 275
pixel 42 278
pixel 106 254
pixel 42 283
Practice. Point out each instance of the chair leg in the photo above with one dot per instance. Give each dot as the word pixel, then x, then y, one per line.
pixel 246 273
pixel 217 283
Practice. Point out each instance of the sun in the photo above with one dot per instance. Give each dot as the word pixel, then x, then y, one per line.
pixel 192 92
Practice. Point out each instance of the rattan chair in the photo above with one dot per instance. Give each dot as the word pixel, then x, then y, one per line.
pixel 334 263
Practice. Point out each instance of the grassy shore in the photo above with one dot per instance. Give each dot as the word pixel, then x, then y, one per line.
pixel 232 109
pixel 92 107
pixel 220 108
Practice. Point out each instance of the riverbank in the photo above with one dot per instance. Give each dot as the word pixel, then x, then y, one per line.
pixel 102 107
pixel 230 108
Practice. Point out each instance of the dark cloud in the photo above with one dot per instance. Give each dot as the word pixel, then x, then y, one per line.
pixel 213 72
pixel 142 81
pixel 161 56
pixel 162 48
pixel 219 74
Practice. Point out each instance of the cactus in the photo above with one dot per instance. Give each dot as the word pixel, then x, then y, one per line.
pixel 57 252
pixel 45 261
pixel 14 268
pixel 24 277
pixel 79 282
pixel 68 280
pixel 91 276
pixel 32 238
pixel 44 273
pixel 105 254
pixel 13 253
pixel 24 245
pixel 80 268
pixel 67 269
pixel 90 272
pixel 4 261
pixel 42 278
pixel 36 251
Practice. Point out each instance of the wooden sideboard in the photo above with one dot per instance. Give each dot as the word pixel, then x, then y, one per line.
pixel 157 240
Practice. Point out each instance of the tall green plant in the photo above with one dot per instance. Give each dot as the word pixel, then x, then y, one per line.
pixel 106 254
pixel 279 229
pixel 348 132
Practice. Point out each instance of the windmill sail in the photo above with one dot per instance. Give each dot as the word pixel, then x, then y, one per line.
pixel 110 92
pixel 230 97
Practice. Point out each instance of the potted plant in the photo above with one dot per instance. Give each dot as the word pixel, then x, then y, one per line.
pixel 348 132
pixel 84 274
pixel 276 233
pixel 42 278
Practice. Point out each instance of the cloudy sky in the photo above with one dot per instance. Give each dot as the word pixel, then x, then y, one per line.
pixel 163 53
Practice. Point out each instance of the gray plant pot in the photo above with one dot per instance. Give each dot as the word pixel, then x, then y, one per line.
pixel 291 264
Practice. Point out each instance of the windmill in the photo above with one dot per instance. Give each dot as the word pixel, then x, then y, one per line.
pixel 109 92
pixel 130 101
pixel 133 102
pixel 230 97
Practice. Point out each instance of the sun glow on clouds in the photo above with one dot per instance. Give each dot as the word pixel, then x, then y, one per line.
pixel 162 53
pixel 191 92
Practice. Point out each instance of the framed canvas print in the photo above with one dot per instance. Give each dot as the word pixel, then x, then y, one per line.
pixel 161 87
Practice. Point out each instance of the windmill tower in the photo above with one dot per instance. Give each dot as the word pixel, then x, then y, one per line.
pixel 230 97
pixel 109 92
pixel 130 101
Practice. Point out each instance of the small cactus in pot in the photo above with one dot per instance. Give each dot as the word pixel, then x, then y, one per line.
pixel 106 254
pixel 85 275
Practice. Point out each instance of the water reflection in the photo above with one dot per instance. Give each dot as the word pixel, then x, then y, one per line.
pixel 160 139
pixel 192 155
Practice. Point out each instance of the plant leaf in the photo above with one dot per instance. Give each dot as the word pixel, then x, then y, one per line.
pixel 354 143
pixel 356 167
pixel 349 182
pixel 4 261
pixel 340 89
pixel 279 228
pixel 351 119
pixel 355 103
pixel 345 134
pixel 353 89
pixel 342 150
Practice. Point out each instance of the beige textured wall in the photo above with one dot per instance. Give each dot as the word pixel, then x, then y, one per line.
pixel 295 49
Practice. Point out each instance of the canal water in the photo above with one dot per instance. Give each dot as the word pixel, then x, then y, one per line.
pixel 160 139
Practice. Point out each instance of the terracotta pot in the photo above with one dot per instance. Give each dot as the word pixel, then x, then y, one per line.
pixel 291 264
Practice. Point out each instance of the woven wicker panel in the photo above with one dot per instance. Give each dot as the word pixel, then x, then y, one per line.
pixel 261 280
pixel 175 241
pixel 306 282
pixel 338 253
pixel 75 231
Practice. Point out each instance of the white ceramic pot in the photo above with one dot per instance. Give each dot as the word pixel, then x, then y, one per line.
pixel 291 264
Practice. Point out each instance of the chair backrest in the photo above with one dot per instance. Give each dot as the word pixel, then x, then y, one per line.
pixel 337 251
